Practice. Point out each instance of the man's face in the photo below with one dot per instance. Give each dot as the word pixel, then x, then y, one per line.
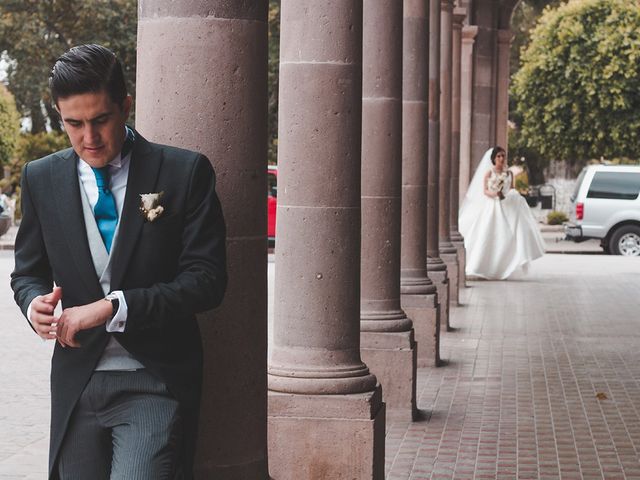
pixel 95 125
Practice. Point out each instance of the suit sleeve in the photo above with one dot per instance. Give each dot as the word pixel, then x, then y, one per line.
pixel 202 277
pixel 32 274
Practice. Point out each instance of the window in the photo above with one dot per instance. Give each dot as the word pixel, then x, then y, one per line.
pixel 615 185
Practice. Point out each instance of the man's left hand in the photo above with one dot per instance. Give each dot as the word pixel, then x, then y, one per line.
pixel 84 317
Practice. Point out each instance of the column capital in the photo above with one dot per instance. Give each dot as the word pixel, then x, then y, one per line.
pixel 459 16
pixel 469 33
pixel 447 5
pixel 505 36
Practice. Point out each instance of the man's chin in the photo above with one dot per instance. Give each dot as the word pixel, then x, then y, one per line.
pixel 96 159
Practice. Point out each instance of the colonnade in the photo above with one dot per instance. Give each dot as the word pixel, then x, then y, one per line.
pixel 378 127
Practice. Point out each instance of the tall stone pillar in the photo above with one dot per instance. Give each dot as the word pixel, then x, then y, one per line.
pixel 326 416
pixel 502 115
pixel 459 15
pixel 419 296
pixel 469 33
pixel 483 131
pixel 202 84
pixel 387 336
pixel 448 252
pixel 435 266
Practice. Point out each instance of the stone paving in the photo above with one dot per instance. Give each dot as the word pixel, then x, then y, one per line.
pixel 541 380
pixel 24 390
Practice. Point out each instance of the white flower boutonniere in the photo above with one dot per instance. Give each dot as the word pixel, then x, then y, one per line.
pixel 150 205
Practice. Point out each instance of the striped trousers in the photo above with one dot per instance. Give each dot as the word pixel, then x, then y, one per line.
pixel 126 426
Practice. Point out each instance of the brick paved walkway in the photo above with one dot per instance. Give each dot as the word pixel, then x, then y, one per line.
pixel 542 380
pixel 518 397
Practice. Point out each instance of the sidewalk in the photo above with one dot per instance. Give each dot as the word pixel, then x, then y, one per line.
pixel 542 380
pixel 7 240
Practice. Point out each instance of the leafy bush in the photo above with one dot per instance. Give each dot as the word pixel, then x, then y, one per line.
pixel 34 146
pixel 30 147
pixel 9 125
pixel 577 89
pixel 555 217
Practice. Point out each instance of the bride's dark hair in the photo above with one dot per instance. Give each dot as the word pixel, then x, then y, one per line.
pixel 495 152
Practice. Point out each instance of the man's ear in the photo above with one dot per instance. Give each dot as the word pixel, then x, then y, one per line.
pixel 126 105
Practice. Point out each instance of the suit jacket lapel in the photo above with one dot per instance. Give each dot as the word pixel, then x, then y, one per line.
pixel 143 176
pixel 66 191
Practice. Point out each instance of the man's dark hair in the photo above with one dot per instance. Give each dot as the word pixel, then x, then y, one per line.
pixel 495 152
pixel 88 69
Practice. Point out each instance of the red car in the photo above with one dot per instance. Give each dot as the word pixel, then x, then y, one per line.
pixel 272 195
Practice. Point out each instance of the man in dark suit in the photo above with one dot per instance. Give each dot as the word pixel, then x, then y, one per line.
pixel 132 235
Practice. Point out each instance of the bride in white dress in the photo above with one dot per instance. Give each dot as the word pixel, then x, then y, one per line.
pixel 500 234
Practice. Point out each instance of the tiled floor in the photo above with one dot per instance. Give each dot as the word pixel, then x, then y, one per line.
pixel 542 380
pixel 518 397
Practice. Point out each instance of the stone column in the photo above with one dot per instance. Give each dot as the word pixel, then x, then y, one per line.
pixel 448 252
pixel 387 337
pixel 483 132
pixel 435 266
pixel 459 15
pixel 469 33
pixel 418 293
pixel 326 416
pixel 202 84
pixel 502 115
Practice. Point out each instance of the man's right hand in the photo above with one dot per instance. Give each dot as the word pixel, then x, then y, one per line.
pixel 42 318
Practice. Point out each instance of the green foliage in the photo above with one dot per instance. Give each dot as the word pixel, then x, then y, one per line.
pixel 578 91
pixel 274 67
pixel 30 147
pixel 522 185
pixel 34 146
pixel 34 33
pixel 524 20
pixel 555 217
pixel 534 162
pixel 9 125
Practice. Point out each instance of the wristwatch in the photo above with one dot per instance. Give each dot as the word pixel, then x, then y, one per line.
pixel 115 303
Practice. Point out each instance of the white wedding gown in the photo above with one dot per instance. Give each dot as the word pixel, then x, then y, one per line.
pixel 501 237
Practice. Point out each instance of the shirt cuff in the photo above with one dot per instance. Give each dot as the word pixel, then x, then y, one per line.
pixel 29 312
pixel 119 321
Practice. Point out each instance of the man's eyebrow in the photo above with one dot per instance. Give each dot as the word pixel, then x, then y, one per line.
pixel 102 116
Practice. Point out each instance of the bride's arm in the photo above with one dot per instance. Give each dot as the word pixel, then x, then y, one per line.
pixel 485 182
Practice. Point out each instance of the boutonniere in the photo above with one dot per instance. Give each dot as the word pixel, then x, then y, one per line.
pixel 150 205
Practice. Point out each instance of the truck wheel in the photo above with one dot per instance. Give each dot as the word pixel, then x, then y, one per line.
pixel 626 241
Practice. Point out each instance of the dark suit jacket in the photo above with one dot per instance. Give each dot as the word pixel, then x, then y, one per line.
pixel 169 270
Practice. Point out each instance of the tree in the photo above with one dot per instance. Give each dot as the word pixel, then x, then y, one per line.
pixel 578 90
pixel 34 33
pixel 9 125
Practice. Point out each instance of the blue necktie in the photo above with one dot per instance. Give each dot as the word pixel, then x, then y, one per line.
pixel 105 210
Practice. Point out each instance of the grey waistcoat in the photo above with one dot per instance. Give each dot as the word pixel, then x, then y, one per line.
pixel 114 357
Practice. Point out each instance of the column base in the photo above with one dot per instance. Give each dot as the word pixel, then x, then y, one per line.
pixel 440 279
pixel 451 260
pixel 424 310
pixel 392 358
pixel 462 265
pixel 326 436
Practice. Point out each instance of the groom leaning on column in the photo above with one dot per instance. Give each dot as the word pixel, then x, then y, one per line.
pixel 129 236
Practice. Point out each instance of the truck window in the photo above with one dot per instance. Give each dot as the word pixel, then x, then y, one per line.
pixel 615 185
